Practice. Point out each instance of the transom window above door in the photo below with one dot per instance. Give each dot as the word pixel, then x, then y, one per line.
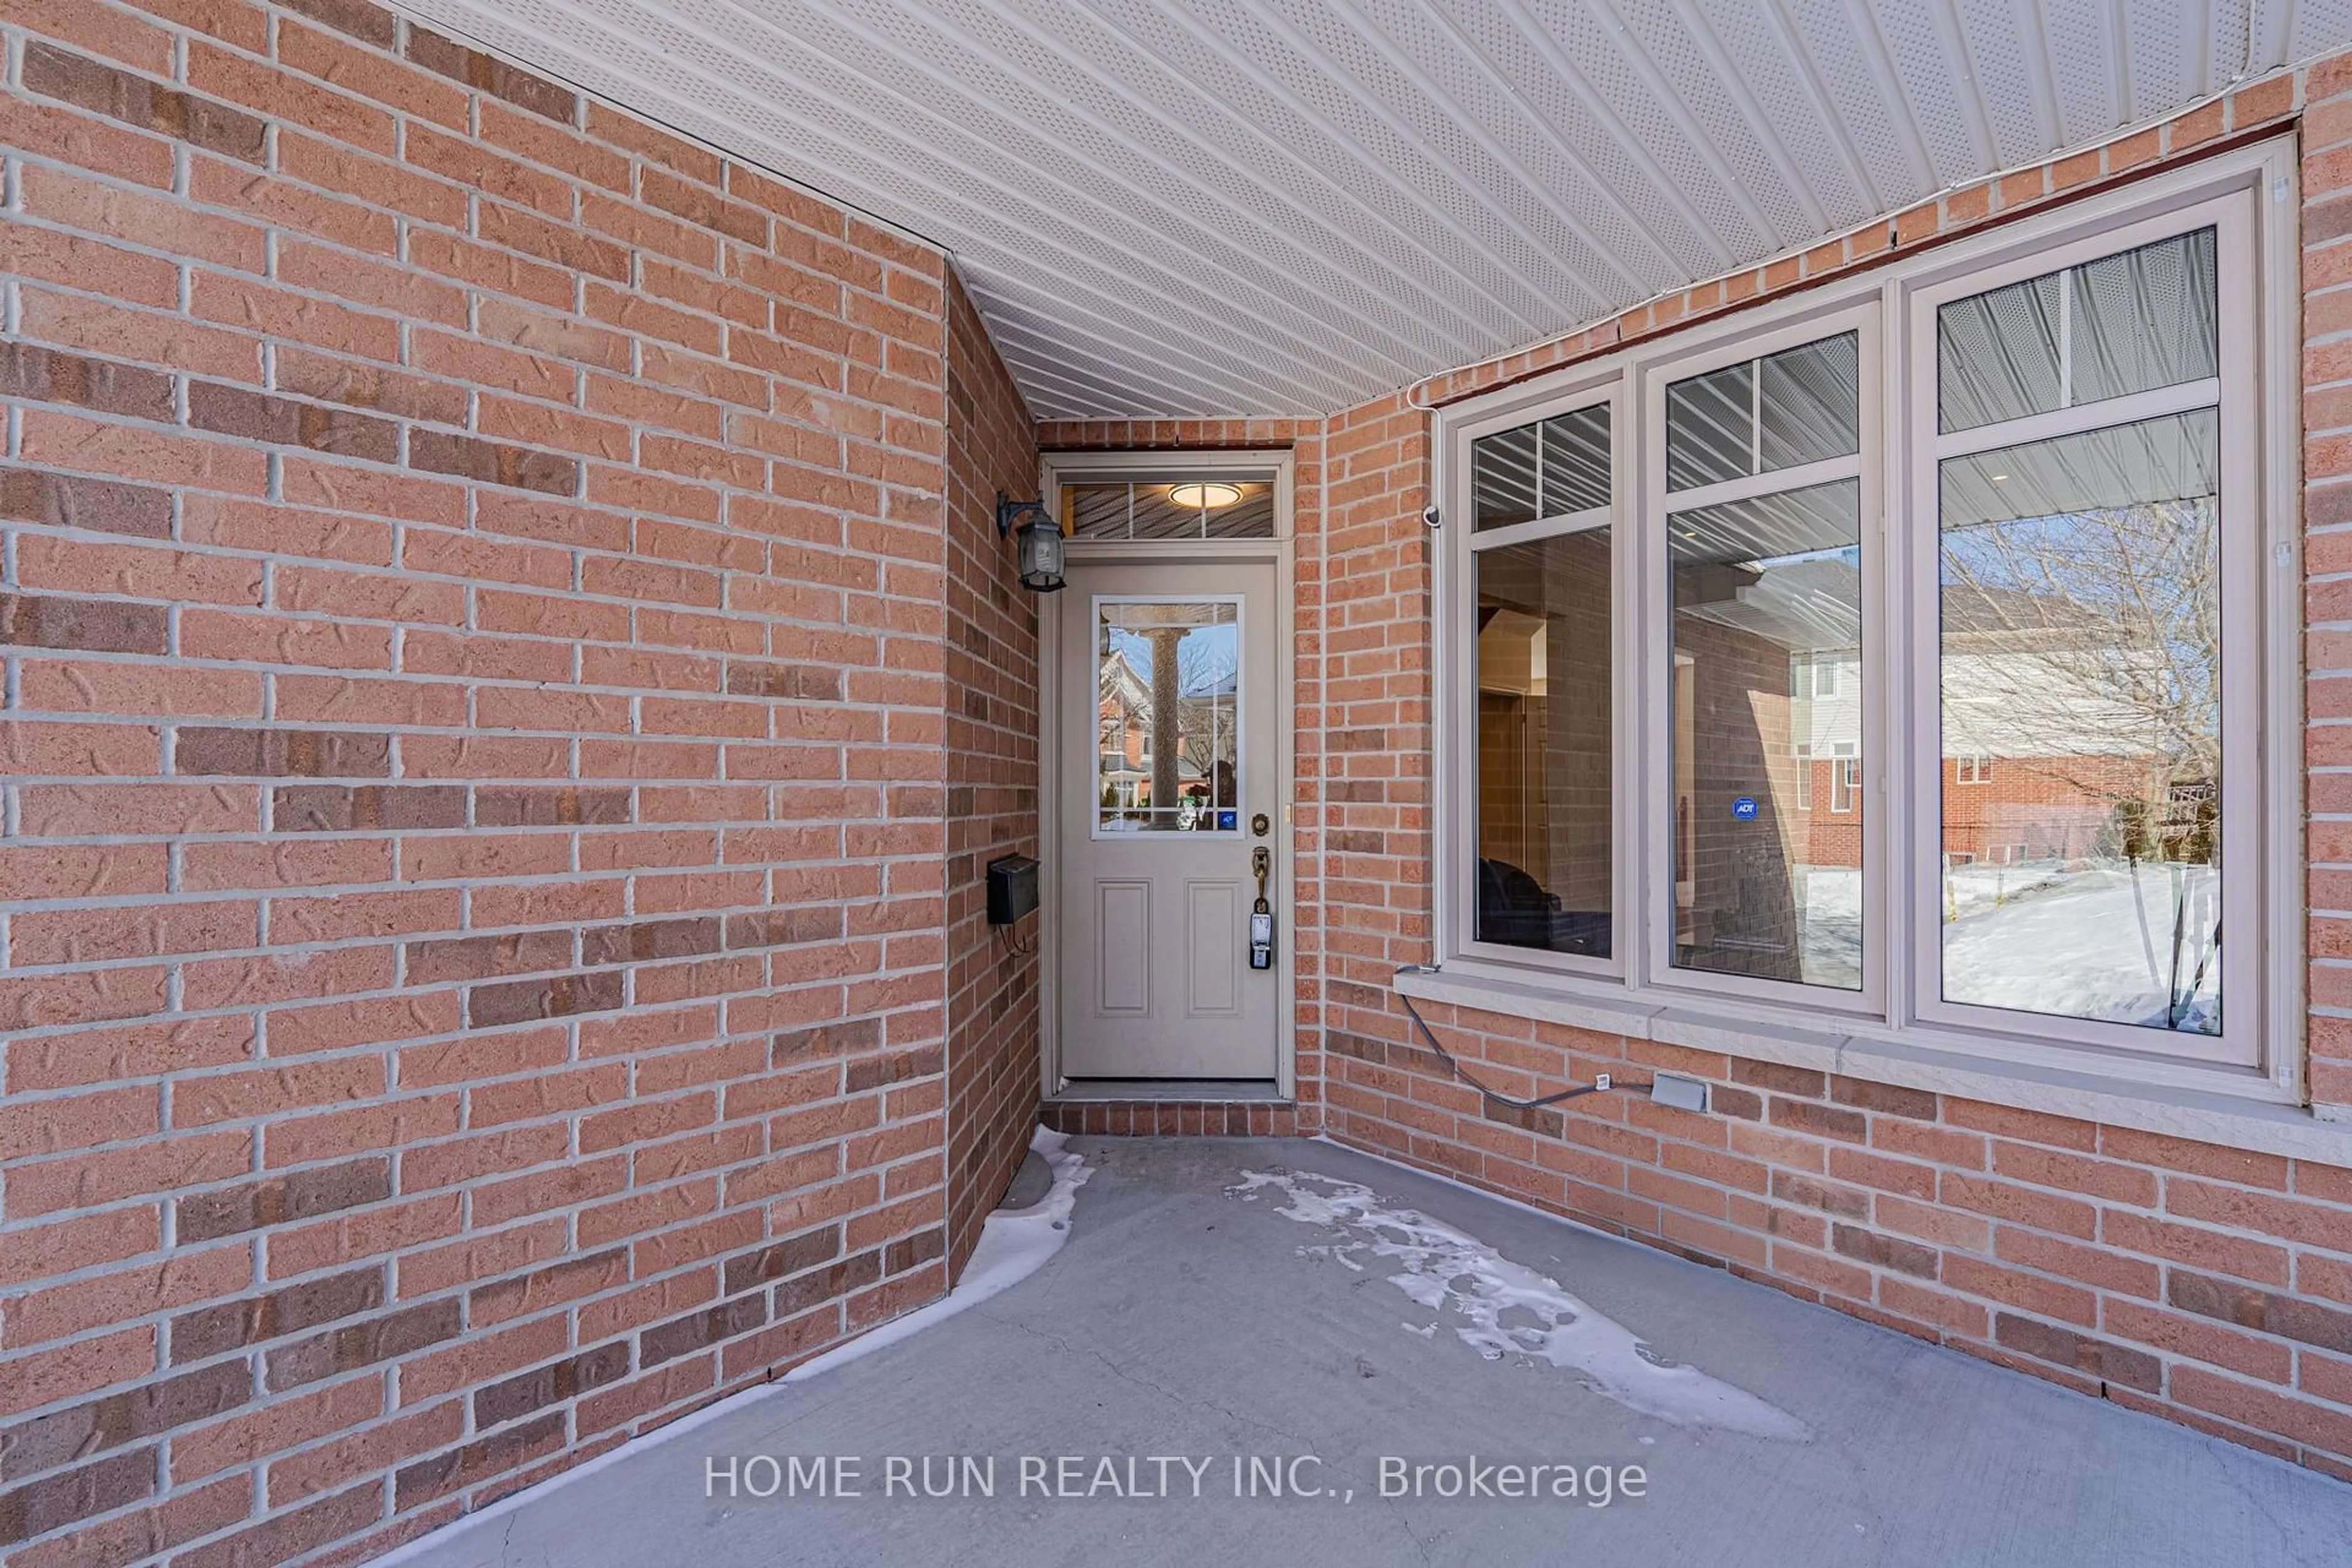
pixel 1900 657
pixel 1208 507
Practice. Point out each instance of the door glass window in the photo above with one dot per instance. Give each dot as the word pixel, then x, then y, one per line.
pixel 1168 716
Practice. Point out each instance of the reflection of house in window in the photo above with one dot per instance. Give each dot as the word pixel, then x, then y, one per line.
pixel 1167 715
pixel 1845 779
pixel 1124 724
pixel 2041 726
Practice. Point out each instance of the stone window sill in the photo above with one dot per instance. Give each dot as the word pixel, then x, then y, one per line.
pixel 2248 1113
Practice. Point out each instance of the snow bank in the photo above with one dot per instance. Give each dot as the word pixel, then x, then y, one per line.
pixel 1012 1246
pixel 1444 1268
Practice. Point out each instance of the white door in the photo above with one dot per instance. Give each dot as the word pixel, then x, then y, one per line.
pixel 1169 756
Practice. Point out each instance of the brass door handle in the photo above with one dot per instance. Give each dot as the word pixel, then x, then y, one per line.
pixel 1262 864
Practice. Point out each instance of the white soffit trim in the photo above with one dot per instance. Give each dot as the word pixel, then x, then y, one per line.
pixel 1228 207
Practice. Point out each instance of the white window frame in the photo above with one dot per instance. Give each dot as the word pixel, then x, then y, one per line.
pixel 2234 217
pixel 1766 338
pixel 2248 194
pixel 1845 782
pixel 1460 876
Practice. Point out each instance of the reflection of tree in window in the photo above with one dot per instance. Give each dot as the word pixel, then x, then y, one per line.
pixel 1206 675
pixel 2081 647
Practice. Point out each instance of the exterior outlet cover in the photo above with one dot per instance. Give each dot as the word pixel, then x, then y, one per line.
pixel 1682 1093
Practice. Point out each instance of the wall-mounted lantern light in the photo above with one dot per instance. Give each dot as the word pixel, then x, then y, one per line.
pixel 1037 536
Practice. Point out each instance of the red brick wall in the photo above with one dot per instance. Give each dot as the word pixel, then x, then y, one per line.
pixel 1375 726
pixel 991 726
pixel 2208 1285
pixel 477 616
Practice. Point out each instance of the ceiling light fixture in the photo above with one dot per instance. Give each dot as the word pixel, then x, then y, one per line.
pixel 1199 494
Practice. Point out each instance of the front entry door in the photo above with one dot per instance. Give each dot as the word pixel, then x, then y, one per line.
pixel 1168 773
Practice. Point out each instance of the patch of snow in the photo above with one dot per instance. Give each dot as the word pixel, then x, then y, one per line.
pixel 1013 1244
pixel 2095 941
pixel 1444 1268
pixel 2073 940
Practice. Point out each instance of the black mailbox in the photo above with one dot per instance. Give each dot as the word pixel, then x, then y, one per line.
pixel 1011 889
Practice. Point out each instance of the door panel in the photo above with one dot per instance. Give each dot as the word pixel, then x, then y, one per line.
pixel 1171 698
pixel 1123 918
pixel 1215 932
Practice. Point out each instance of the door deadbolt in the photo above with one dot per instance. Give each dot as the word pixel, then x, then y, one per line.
pixel 1258 824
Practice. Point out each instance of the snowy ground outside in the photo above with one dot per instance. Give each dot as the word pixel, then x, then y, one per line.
pixel 2094 943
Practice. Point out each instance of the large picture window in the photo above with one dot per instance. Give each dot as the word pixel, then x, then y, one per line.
pixel 1899 658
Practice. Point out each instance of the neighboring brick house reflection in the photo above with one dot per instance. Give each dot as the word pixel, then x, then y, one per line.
pixel 1124 726
pixel 1127 758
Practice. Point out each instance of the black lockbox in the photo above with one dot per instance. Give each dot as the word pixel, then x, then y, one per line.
pixel 1011 889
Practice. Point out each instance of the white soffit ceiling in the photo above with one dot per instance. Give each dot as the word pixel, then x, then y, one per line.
pixel 1220 207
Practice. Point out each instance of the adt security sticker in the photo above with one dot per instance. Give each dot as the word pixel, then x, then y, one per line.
pixel 1744 809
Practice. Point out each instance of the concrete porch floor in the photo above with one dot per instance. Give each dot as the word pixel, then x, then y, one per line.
pixel 1184 1320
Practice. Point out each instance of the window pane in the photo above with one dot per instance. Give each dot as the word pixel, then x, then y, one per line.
pixel 1544 826
pixel 1711 427
pixel 1997 355
pixel 1156 516
pixel 1210 507
pixel 2144 319
pixel 1576 462
pixel 1251 517
pixel 2081 672
pixel 1168 716
pixel 1096 512
pixel 1767 805
pixel 1503 478
pixel 1810 403
pixel 2124 323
